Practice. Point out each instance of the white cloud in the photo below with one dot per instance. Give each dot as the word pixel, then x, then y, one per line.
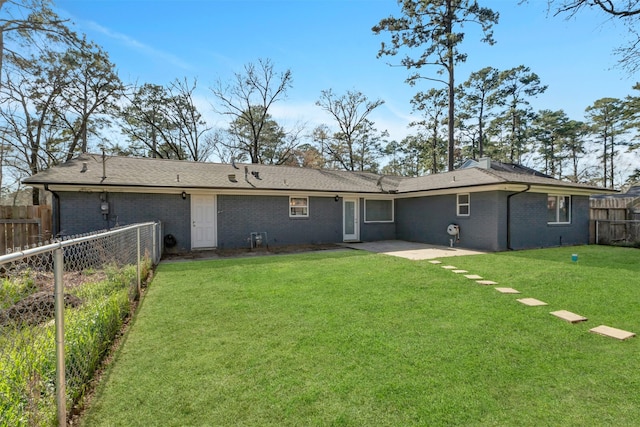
pixel 138 46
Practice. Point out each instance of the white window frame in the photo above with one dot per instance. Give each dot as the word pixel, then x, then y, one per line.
pixel 558 197
pixel 459 204
pixel 292 206
pixel 367 221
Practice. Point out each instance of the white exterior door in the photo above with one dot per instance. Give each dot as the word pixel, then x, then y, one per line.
pixel 203 221
pixel 350 222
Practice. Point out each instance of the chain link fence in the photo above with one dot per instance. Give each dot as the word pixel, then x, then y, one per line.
pixel 617 232
pixel 61 307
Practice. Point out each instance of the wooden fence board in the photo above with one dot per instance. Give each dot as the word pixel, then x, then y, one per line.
pixel 24 226
pixel 617 232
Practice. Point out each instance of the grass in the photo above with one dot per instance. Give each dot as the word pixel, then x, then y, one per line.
pixel 27 351
pixel 352 339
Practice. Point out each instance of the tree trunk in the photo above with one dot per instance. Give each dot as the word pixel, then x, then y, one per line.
pixel 450 61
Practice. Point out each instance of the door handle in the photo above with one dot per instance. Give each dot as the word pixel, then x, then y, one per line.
pixel 194 223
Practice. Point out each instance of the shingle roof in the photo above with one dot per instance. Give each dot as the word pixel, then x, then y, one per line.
pixel 161 173
pixel 89 169
pixel 632 193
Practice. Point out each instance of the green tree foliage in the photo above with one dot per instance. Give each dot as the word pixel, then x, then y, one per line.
pixel 26 23
pixel 560 143
pixel 435 26
pixel 321 138
pixel 608 122
pixel 306 156
pixel 574 147
pixel 632 113
pixel 412 156
pixel 276 146
pixel 164 122
pixel 90 97
pixel 478 96
pixel 53 102
pixel 356 144
pixel 550 130
pixel 145 122
pixel 517 85
pixel 634 178
pixel 433 107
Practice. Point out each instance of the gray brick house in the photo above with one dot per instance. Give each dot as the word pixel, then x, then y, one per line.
pixel 205 205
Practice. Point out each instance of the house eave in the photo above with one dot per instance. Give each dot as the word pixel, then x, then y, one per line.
pixel 92 188
pixel 474 188
pixel 509 187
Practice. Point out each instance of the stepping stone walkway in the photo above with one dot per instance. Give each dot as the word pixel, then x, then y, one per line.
pixel 568 316
pixel 531 302
pixel 486 282
pixel 612 332
pixel 507 290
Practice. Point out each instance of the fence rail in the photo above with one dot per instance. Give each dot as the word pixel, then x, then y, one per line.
pixel 61 306
pixel 617 232
pixel 24 226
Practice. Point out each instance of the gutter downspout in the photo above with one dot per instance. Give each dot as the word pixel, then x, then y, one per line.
pixel 509 214
pixel 56 211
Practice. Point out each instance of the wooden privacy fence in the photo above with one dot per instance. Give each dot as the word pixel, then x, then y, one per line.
pixel 614 220
pixel 22 226
pixel 611 232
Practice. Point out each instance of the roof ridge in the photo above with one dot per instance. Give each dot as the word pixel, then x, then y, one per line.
pixel 492 173
pixel 98 156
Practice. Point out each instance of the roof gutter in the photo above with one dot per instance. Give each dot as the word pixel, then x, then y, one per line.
pixel 56 211
pixel 509 214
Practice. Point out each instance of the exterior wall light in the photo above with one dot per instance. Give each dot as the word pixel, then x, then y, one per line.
pixel 184 195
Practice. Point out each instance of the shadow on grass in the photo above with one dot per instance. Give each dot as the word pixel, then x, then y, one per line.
pixel 258 260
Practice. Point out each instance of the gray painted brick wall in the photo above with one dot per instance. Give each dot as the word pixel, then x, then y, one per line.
pixel 80 213
pixel 376 231
pixel 529 227
pixel 422 219
pixel 238 216
pixel 425 219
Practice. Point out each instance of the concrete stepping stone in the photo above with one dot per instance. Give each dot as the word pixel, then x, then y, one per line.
pixel 449 267
pixel 459 271
pixel 472 276
pixel 435 261
pixel 507 290
pixel 608 331
pixel 568 316
pixel 486 282
pixel 531 302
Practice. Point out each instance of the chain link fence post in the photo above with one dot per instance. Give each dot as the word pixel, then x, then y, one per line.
pixel 61 306
pixel 61 389
pixel 138 261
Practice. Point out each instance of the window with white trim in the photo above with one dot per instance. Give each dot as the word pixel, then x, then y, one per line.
pixel 298 207
pixel 558 209
pixel 378 210
pixel 463 205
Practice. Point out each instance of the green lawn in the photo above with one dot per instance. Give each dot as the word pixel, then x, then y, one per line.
pixel 358 339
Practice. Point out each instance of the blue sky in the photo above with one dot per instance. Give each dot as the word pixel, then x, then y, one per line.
pixel 328 44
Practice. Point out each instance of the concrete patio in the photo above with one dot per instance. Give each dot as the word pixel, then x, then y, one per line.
pixel 410 250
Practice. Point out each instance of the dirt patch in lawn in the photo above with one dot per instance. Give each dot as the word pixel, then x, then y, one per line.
pixel 245 252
